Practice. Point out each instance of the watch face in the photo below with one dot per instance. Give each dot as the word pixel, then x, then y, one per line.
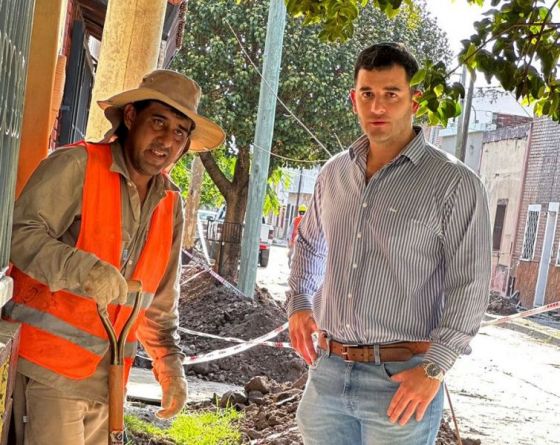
pixel 432 370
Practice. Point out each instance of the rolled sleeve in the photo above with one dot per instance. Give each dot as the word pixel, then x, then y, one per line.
pixel 48 205
pixel 309 261
pixel 157 330
pixel 467 254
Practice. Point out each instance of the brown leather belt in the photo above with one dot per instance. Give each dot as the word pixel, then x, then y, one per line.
pixel 393 352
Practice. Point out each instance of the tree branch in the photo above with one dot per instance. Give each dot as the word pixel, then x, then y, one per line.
pixel 496 36
pixel 223 184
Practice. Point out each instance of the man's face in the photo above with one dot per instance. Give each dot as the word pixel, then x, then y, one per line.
pixel 382 99
pixel 157 137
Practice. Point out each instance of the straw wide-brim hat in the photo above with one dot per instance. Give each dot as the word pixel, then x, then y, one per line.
pixel 175 90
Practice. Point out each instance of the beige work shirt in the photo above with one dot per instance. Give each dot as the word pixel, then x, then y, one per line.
pixel 46 226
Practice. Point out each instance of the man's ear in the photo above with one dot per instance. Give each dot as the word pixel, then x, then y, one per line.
pixel 416 95
pixel 352 96
pixel 186 149
pixel 129 115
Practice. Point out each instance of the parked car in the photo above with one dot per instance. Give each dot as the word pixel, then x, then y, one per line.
pixel 215 231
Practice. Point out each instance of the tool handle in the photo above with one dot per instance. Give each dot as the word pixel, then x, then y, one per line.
pixel 116 404
pixel 134 285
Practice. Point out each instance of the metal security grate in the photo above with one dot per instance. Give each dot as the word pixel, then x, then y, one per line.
pixel 15 34
pixel 530 235
pixel 77 92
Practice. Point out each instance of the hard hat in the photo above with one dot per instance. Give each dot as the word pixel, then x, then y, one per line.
pixel 302 208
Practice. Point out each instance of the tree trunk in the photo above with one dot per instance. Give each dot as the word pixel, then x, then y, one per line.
pixel 235 193
pixel 193 201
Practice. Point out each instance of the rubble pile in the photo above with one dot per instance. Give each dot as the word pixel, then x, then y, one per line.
pixel 209 307
pixel 503 305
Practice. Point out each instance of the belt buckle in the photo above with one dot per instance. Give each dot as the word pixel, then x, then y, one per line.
pixel 345 349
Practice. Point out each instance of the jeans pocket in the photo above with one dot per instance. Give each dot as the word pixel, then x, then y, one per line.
pixel 320 355
pixel 392 368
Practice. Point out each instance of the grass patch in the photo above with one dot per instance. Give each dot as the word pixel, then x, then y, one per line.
pixel 202 428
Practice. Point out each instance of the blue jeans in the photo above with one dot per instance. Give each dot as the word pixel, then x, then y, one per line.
pixel 346 404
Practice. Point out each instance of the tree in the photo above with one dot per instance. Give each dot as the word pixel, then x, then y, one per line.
pixel 517 43
pixel 314 83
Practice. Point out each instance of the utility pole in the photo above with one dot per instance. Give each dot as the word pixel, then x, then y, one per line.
pixel 299 188
pixel 262 144
pixel 466 119
pixel 463 124
pixel 459 135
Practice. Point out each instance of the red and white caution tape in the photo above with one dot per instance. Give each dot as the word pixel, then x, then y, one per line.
pixel 274 344
pixel 221 279
pixel 202 239
pixel 192 277
pixel 537 310
pixel 232 350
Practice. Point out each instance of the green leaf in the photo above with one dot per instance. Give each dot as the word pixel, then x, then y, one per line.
pixel 418 78
pixel 439 89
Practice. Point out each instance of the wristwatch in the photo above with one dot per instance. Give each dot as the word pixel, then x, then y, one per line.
pixel 433 371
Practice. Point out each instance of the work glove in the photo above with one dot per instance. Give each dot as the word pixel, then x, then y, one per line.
pixel 174 396
pixel 104 284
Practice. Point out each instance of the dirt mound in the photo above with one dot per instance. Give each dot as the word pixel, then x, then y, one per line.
pixel 503 305
pixel 209 307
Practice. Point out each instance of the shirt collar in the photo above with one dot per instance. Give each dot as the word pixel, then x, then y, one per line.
pixel 161 183
pixel 414 150
pixel 416 147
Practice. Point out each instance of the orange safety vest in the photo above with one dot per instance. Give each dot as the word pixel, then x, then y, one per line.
pixel 297 221
pixel 61 331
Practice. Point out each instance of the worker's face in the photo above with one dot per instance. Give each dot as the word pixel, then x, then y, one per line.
pixel 157 137
pixel 384 103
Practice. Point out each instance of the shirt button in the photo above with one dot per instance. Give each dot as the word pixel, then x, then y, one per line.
pixel 349 295
pixel 354 265
pixel 347 325
pixel 364 204
pixel 359 235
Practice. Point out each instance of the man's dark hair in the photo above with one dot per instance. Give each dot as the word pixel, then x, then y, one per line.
pixel 386 55
pixel 122 131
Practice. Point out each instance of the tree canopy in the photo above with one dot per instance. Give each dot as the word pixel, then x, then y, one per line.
pixel 315 76
pixel 315 81
pixel 517 43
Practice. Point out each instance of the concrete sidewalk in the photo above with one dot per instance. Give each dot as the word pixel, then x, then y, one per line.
pixel 143 386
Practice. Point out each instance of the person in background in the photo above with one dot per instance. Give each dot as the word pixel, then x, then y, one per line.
pixel 293 231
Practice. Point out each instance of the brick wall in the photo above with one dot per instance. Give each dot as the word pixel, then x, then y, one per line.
pixel 542 185
pixel 510 120
pixel 526 280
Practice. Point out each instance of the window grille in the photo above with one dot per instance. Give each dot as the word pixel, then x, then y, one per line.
pixel 531 229
pixel 15 34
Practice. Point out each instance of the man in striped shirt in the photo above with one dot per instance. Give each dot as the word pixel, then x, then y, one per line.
pixel 391 270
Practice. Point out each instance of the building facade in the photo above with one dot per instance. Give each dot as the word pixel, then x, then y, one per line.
pixel 536 253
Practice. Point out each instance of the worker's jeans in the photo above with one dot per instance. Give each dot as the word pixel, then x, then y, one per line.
pixel 54 419
pixel 345 403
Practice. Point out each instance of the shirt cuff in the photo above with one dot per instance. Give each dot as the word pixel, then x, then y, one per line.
pixel 299 302
pixel 442 356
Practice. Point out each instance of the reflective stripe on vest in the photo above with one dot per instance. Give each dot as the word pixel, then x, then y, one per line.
pixel 61 331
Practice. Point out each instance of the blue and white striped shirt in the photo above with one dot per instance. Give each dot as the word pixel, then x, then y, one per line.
pixel 403 257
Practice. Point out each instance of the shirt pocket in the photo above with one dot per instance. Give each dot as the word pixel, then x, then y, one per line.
pixel 415 252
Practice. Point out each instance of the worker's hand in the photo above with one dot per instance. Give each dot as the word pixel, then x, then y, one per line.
pixel 174 396
pixel 415 393
pixel 301 326
pixel 105 284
